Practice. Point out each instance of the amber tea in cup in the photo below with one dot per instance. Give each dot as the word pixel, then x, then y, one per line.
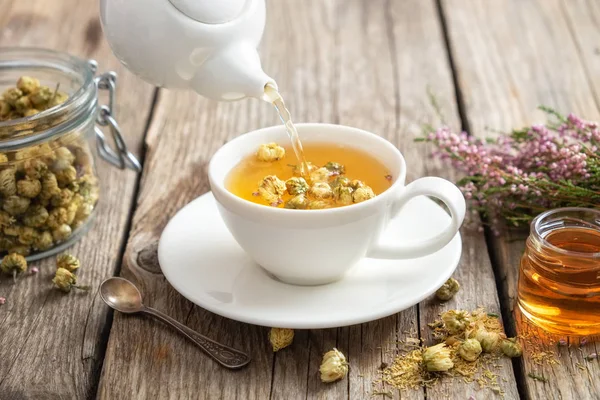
pixel 559 277
pixel 330 165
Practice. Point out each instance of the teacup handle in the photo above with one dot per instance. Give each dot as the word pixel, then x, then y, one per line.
pixel 429 186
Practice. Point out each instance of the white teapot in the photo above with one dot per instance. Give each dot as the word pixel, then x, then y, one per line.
pixel 208 46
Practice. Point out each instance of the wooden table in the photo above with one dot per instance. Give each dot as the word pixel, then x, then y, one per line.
pixel 365 63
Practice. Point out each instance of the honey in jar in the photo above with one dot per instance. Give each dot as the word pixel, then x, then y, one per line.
pixel 559 277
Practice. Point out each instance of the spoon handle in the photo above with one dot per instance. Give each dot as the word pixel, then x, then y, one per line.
pixel 224 355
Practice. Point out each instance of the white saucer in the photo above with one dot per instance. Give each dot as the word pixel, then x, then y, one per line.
pixel 203 262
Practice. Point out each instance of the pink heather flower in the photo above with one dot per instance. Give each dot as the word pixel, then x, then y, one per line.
pixel 562 342
pixel 34 270
pixel 2 300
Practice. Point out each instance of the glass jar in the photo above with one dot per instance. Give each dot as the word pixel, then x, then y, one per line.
pixel 48 182
pixel 559 276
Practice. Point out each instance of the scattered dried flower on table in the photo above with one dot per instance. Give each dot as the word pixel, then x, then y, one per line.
pixel 470 349
pixel 456 321
pixel 65 281
pixel 34 270
pixel 68 262
pixel 490 341
pixel 281 338
pixel 511 347
pixel 334 366
pixel 437 358
pixel 2 301
pixel 448 290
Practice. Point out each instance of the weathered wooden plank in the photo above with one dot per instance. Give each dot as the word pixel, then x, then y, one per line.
pixel 510 57
pixel 52 345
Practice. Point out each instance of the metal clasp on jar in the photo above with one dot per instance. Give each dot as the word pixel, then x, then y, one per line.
pixel 121 157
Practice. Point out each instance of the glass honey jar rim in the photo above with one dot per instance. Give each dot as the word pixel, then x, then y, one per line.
pixel 539 229
pixel 23 132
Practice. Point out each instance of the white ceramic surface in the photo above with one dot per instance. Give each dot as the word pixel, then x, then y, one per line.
pixel 309 247
pixel 164 43
pixel 203 262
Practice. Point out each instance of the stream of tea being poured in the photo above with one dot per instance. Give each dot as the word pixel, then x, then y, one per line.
pixel 273 96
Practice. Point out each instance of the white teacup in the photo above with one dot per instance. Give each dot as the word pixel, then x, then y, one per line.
pixel 310 247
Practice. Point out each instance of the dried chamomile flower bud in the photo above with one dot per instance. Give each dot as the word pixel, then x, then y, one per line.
pixel 321 190
pixel 45 152
pixel 82 156
pixel 22 104
pixel 68 262
pixel 36 216
pixel 66 176
pixel 456 321
pixel 57 217
pixel 35 168
pixel 66 280
pixel 8 182
pixel 27 235
pixel 470 349
pixel 317 205
pixel 83 211
pixel 23 250
pixel 27 84
pixel 62 233
pixel 16 205
pixel 340 181
pixel 298 202
pixel 13 264
pixel 511 347
pixel 489 340
pixel 270 152
pixel 40 97
pixel 29 188
pixel 437 358
pixel 6 219
pixel 362 194
pixel 335 168
pixel 30 111
pixel 57 98
pixel 271 188
pixel 334 366
pixel 343 195
pixel 72 208
pixel 64 159
pixel 88 188
pixel 44 241
pixel 280 338
pixel 5 109
pixel 448 290
pixel 11 95
pixel 6 242
pixel 49 186
pixel 355 184
pixel 320 175
pixel 296 186
pixel 62 198
pixel 12 230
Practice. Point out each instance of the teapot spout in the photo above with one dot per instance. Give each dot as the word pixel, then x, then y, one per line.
pixel 232 74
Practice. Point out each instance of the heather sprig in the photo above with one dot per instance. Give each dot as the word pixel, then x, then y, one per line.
pixel 527 171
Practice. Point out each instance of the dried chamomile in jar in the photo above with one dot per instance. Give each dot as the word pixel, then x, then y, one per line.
pixel 57 217
pixel 29 188
pixel 43 241
pixel 27 84
pixel 16 205
pixel 61 233
pixel 8 182
pixel 36 216
pixel 13 264
pixel 66 176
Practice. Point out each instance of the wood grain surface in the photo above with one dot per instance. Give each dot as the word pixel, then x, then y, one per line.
pixel 364 64
pixel 511 56
pixel 52 344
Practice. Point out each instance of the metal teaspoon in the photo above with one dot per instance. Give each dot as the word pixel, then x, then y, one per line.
pixel 122 295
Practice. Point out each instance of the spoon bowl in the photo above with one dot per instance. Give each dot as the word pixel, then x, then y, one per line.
pixel 122 295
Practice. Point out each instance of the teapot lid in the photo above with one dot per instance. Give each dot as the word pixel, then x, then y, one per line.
pixel 210 11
